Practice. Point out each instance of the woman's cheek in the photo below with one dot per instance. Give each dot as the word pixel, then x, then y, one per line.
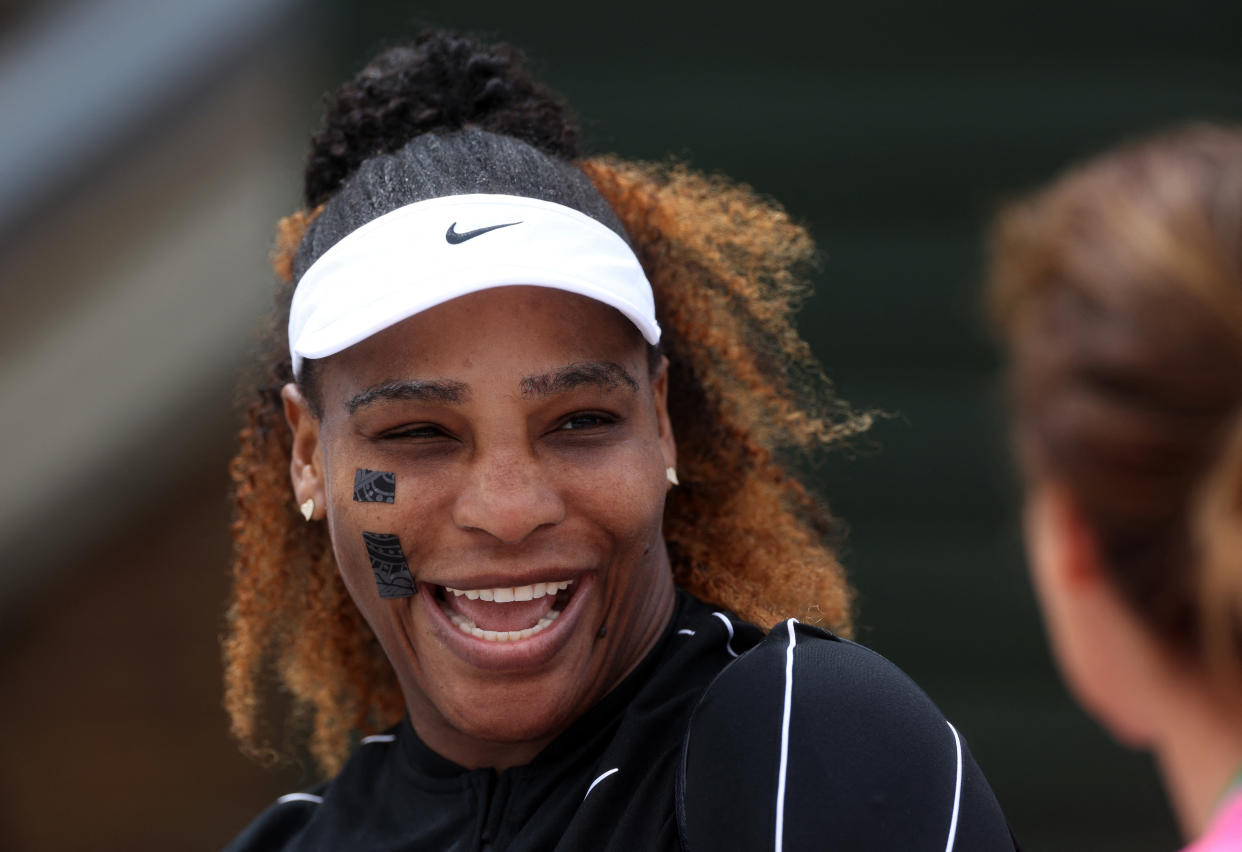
pixel 632 503
pixel 365 524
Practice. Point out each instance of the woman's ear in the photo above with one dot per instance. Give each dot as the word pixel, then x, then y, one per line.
pixel 659 390
pixel 1061 547
pixel 1105 654
pixel 306 470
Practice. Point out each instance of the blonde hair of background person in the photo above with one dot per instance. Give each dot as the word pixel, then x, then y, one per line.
pixel 1118 291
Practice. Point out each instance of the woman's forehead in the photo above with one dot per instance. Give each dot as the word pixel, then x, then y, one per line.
pixel 533 338
pixel 606 376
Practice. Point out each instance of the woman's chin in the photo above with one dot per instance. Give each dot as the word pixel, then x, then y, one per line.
pixel 501 730
pixel 514 702
pixel 509 728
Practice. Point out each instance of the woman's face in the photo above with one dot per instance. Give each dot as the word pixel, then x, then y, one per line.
pixel 529 443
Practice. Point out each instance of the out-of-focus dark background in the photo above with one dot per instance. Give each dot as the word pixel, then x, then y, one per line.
pixel 146 150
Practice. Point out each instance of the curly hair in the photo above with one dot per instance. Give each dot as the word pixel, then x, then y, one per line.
pixel 441 82
pixel 747 399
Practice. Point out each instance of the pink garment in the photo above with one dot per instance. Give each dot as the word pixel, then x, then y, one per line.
pixel 1225 832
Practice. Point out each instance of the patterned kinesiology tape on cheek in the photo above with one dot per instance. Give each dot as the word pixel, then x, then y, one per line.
pixel 374 486
pixel 392 574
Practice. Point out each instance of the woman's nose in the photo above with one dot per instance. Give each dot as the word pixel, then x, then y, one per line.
pixel 508 495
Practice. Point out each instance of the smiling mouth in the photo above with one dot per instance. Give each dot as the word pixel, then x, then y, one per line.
pixel 505 614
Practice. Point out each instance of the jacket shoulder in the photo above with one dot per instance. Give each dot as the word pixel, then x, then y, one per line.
pixel 809 736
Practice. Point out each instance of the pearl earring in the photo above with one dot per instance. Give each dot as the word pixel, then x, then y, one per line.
pixel 308 508
pixel 671 473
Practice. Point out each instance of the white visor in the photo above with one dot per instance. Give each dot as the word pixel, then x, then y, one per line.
pixel 426 253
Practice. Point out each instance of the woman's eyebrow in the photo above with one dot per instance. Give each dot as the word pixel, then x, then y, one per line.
pixel 431 390
pixel 605 374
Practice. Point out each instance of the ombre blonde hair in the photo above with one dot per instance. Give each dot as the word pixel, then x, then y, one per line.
pixel 743 532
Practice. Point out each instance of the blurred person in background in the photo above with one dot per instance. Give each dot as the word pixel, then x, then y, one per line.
pixel 1118 292
pixel 514 492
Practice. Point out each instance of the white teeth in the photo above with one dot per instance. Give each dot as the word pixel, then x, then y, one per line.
pixel 466 626
pixel 507 594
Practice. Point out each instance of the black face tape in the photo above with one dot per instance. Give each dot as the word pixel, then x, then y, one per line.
pixel 375 486
pixel 392 574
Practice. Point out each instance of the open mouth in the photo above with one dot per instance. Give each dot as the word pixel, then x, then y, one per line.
pixel 505 614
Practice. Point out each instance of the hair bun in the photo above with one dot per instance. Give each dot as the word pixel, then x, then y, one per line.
pixel 442 81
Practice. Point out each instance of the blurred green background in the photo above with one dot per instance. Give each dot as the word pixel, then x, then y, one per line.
pixel 148 148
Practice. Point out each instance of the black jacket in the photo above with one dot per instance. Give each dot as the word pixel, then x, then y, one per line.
pixel 722 738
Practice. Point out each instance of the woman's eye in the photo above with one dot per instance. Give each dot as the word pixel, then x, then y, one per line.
pixel 586 420
pixel 422 431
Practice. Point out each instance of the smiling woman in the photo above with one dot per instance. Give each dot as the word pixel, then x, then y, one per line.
pixel 522 461
pixel 533 409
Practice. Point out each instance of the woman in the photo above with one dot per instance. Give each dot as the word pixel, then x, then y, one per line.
pixel 532 408
pixel 1119 293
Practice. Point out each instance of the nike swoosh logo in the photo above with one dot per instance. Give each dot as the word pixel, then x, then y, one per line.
pixel 454 237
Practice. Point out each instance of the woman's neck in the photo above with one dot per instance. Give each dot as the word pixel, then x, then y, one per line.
pixel 1199 750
